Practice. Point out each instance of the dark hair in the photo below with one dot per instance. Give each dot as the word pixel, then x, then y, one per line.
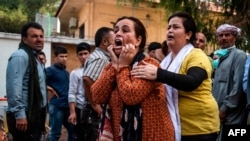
pixel 211 55
pixel 59 50
pixel 140 30
pixel 29 25
pixel 82 46
pixel 100 34
pixel 41 53
pixel 164 48
pixel 188 23
pixel 154 46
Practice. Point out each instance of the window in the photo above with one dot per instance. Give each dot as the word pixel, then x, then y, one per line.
pixel 81 31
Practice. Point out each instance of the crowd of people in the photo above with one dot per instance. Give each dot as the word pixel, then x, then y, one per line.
pixel 124 90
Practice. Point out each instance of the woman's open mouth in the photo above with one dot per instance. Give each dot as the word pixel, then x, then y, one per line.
pixel 170 37
pixel 118 42
pixel 118 47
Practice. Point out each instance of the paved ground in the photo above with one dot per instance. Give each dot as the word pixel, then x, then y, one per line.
pixel 62 138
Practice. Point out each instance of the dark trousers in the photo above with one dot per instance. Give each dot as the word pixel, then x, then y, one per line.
pixel 87 125
pixel 204 137
pixel 18 135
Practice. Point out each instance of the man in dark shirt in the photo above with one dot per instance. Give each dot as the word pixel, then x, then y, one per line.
pixel 58 79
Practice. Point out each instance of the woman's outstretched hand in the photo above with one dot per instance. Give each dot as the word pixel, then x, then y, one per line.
pixel 145 71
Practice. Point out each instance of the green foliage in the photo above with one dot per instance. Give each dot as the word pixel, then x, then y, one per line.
pixel 239 15
pixel 12 19
pixel 10 4
pixel 14 13
pixel 236 12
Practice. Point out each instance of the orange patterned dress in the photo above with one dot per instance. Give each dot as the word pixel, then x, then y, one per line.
pixel 118 87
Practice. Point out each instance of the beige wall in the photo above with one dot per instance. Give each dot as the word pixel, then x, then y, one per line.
pixel 72 60
pixel 97 13
pixel 102 13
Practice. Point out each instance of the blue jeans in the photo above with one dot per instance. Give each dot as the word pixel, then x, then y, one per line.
pixel 58 117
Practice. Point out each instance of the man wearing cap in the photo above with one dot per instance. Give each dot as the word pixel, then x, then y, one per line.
pixel 227 84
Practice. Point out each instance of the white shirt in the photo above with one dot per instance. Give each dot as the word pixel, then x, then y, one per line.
pixel 76 91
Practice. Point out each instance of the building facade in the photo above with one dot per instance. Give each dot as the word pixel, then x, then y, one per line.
pixel 81 18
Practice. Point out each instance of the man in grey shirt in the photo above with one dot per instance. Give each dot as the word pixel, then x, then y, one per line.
pixel 227 84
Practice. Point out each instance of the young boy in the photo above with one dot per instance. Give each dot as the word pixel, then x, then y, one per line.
pixel 77 99
pixel 58 79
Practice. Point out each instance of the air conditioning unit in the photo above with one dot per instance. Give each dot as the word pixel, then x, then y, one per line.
pixel 73 23
pixel 155 1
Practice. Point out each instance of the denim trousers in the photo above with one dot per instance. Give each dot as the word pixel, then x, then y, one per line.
pixel 58 117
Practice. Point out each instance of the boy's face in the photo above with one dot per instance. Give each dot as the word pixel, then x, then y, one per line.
pixel 83 55
pixel 42 58
pixel 61 58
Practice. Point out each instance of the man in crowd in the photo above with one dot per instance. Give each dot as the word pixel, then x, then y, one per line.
pixel 25 86
pixel 97 60
pixel 200 41
pixel 162 52
pixel 77 99
pixel 152 47
pixel 227 84
pixel 42 57
pixel 58 79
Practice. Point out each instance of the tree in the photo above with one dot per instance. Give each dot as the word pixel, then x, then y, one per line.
pixel 13 14
pixel 236 12
pixel 12 19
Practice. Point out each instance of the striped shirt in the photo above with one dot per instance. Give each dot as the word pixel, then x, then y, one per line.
pixel 95 63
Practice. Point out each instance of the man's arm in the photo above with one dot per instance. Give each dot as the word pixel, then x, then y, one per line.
pixel 51 92
pixel 90 75
pixel 246 87
pixel 73 89
pixel 16 76
pixel 72 117
pixel 234 96
pixel 245 76
pixel 87 83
